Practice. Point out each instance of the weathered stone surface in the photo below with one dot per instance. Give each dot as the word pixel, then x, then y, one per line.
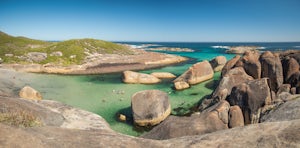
pixel 271 134
pixel 230 64
pixel 197 73
pixel 289 66
pixel 272 69
pixel 150 107
pixel 251 64
pixel 213 119
pixel 29 93
pixel 1 61
pixel 163 75
pixel 140 78
pixel 218 63
pixel 37 56
pixel 236 117
pixel 180 85
pixel 287 111
pixel 251 96
pixel 232 78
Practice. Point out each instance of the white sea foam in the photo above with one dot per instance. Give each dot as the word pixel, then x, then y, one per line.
pixel 297 46
pixel 261 48
pixel 226 47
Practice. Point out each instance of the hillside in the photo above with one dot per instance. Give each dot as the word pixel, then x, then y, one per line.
pixel 24 50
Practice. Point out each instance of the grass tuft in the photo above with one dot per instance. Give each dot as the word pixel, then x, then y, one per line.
pixel 20 119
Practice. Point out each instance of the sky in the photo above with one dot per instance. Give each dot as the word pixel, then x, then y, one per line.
pixel 153 20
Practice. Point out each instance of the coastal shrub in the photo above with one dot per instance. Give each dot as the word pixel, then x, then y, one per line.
pixel 20 119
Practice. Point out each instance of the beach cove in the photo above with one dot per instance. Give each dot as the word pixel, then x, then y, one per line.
pixel 108 96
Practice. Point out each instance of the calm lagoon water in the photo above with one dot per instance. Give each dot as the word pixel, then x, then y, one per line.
pixel 107 96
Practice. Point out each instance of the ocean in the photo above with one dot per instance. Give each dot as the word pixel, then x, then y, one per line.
pixel 107 96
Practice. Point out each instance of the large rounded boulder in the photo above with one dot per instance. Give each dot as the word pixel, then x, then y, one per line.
pixel 150 107
pixel 272 69
pixel 197 73
pixel 230 64
pixel 29 93
pixel 139 78
pixel 218 63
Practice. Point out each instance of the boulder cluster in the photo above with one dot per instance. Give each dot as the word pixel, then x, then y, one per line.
pixel 257 82
pixel 197 73
pixel 251 86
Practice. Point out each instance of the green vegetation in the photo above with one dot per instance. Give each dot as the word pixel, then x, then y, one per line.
pixel 20 46
pixel 20 119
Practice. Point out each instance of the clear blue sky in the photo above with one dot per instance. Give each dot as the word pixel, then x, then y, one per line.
pixel 153 20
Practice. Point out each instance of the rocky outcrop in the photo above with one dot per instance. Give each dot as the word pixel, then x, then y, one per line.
pixel 251 97
pixel 218 63
pixel 29 93
pixel 285 112
pixel 213 119
pixel 57 54
pixel 236 117
pixel 37 56
pixel 199 72
pixel 150 107
pixel 251 64
pixel 139 78
pixel 163 75
pixel 272 69
pixel 230 64
pixel 241 49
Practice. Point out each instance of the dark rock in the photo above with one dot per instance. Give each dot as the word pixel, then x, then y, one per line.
pixel 229 65
pixel 272 69
pixel 236 117
pixel 294 79
pixel 293 90
pixel 232 78
pixel 150 107
pixel 251 96
pixel 251 64
pixel 213 119
pixel 290 66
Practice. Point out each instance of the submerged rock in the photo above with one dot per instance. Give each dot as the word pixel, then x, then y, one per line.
pixel 29 93
pixel 163 75
pixel 180 85
pixel 150 107
pixel 139 78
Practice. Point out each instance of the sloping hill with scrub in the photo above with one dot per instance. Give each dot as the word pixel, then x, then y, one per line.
pixel 77 56
pixel 25 50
